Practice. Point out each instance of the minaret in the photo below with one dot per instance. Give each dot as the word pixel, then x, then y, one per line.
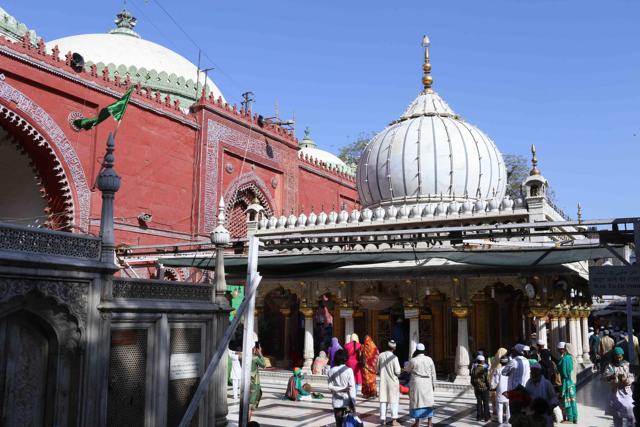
pixel 427 80
pixel 220 238
pixel 535 190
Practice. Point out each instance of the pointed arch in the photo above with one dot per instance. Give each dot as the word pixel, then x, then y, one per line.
pixel 33 122
pixel 239 195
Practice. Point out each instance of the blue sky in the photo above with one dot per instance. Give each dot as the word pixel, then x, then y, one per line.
pixel 564 75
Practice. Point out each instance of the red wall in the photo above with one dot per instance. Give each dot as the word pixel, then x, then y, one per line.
pixel 161 152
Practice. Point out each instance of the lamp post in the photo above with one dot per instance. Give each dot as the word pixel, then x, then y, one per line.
pixel 108 184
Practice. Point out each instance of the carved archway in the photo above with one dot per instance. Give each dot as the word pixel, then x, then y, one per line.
pixel 243 192
pixel 59 171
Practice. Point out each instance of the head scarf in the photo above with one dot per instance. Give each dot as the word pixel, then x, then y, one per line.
pixel 568 347
pixel 354 337
pixel 495 362
pixel 335 346
pixel 369 350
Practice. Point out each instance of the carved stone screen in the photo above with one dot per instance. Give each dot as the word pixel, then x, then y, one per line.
pixel 184 372
pixel 127 367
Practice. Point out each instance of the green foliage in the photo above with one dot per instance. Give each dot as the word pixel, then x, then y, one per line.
pixel 350 153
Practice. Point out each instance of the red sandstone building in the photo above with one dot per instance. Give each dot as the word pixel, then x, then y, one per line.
pixel 179 148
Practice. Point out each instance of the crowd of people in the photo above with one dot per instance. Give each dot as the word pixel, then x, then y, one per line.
pixel 525 386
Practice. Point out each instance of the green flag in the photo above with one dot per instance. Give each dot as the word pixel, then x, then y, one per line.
pixel 116 110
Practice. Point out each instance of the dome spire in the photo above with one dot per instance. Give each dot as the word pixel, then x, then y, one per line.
pixel 125 22
pixel 427 80
pixel 307 141
pixel 534 161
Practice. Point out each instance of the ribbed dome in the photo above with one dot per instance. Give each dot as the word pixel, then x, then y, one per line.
pixel 430 154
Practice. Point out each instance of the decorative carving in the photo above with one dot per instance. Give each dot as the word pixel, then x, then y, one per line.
pixel 460 312
pixel 274 182
pixel 47 242
pixel 249 180
pixel 307 312
pixel 539 312
pixel 217 133
pixel 53 135
pixel 73 116
pixel 286 312
pixel 73 295
pixel 161 289
pixel 229 167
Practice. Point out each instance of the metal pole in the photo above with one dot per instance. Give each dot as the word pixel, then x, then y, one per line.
pixel 631 344
pixel 222 348
pixel 247 341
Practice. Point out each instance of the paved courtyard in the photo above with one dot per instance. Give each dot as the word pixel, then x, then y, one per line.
pixel 452 410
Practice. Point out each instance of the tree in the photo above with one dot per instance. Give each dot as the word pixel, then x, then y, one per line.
pixel 518 170
pixel 350 153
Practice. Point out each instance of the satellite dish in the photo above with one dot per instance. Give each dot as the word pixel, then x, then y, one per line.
pixel 77 62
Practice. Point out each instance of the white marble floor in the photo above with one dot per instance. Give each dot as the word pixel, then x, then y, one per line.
pixel 451 410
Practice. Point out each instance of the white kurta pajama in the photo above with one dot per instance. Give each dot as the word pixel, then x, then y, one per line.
pixel 389 368
pixel 422 386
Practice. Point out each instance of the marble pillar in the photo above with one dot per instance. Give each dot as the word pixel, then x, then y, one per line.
pixel 540 314
pixel 347 315
pixel 286 312
pixel 414 334
pixel 573 336
pixel 578 344
pixel 462 349
pixel 584 320
pixel 555 333
pixel 562 327
pixel 308 339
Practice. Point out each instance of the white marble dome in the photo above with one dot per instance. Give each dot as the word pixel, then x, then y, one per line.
pixel 309 150
pixel 430 154
pixel 124 47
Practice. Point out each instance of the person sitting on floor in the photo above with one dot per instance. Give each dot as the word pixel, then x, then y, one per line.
pixel 295 388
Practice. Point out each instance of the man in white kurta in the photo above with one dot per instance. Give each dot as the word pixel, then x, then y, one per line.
pixel 422 386
pixel 389 368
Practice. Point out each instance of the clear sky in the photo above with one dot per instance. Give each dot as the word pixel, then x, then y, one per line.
pixel 564 75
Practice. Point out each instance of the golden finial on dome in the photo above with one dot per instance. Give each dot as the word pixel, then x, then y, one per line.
pixel 534 161
pixel 427 80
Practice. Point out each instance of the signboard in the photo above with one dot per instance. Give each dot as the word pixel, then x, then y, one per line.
pixel 346 312
pixel 184 365
pixel 411 313
pixel 615 280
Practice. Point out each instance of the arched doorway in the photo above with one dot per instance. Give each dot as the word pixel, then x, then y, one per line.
pixel 281 328
pixel 34 189
pixel 498 318
pixel 27 370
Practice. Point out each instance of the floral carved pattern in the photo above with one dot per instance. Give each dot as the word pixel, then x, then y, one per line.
pixel 73 295
pixel 217 133
pixel 53 135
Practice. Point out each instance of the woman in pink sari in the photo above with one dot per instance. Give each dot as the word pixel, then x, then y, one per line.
pixel 353 351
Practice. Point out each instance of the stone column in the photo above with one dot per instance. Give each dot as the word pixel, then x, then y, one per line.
pixel 308 339
pixel 562 326
pixel 413 314
pixel 462 349
pixel 286 312
pixel 347 314
pixel 584 319
pixel 573 335
pixel 540 313
pixel 553 344
pixel 108 183
pixel 578 345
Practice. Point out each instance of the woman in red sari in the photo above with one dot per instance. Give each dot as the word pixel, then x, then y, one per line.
pixel 370 362
pixel 353 351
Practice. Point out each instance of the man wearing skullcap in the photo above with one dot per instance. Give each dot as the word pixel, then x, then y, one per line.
pixel 422 386
pixel 389 369
pixel 618 375
pixel 481 384
pixel 518 369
